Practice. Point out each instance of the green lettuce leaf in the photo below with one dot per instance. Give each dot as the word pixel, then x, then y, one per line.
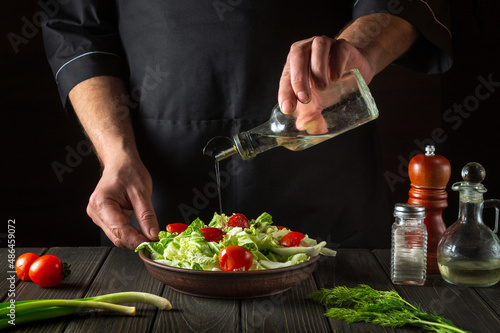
pixel 311 251
pixel 218 221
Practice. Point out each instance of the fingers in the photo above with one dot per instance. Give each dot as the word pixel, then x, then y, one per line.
pixel 320 55
pixel 294 82
pixel 108 215
pixel 286 96
pixel 338 60
pixel 299 58
pixel 307 67
pixel 145 215
pixel 344 56
pixel 312 122
pixel 114 201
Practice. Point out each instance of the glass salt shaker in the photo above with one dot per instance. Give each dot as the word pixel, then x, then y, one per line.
pixel 409 245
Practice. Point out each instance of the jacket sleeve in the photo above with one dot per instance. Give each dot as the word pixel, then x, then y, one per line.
pixel 81 41
pixel 432 52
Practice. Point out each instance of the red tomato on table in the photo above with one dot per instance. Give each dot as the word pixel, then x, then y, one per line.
pixel 293 238
pixel 176 228
pixel 235 258
pixel 238 220
pixel 48 271
pixel 23 264
pixel 212 234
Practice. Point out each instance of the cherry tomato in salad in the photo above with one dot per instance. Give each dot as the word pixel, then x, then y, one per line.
pixel 235 258
pixel 48 271
pixel 238 220
pixel 293 238
pixel 176 228
pixel 280 227
pixel 212 234
pixel 23 264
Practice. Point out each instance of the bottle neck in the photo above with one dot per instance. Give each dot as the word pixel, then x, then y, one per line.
pixel 255 141
pixel 471 208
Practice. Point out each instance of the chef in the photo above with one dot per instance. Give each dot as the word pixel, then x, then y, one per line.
pixel 153 81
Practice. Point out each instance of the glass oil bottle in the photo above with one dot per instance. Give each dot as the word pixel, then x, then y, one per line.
pixel 469 251
pixel 344 105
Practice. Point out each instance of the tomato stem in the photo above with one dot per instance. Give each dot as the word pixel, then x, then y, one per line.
pixel 66 271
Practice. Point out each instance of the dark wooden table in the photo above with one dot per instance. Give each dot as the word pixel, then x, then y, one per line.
pixel 101 270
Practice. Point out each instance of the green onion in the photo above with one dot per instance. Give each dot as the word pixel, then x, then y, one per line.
pixel 134 297
pixel 33 310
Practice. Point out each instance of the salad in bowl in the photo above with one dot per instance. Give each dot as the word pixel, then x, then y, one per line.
pixel 233 243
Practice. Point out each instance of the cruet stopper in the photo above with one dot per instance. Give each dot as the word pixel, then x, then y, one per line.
pixel 429 174
pixel 473 175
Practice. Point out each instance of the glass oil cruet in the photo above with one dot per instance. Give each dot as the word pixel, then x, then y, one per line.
pixel 343 105
pixel 469 251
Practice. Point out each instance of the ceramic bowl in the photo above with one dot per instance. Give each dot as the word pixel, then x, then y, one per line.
pixel 229 285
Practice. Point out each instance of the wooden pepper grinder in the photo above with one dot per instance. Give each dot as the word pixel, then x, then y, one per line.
pixel 429 175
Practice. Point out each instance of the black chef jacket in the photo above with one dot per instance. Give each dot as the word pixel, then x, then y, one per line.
pixel 196 69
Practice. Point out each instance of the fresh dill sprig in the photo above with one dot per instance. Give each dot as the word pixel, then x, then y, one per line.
pixel 384 308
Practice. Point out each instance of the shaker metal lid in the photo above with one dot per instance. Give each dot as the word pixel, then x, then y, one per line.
pixel 409 209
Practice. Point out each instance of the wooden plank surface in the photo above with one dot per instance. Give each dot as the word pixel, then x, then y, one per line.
pixel 196 314
pixel 103 270
pixel 85 263
pixel 121 271
pixel 463 306
pixel 124 271
pixel 351 268
pixel 491 296
pixel 290 311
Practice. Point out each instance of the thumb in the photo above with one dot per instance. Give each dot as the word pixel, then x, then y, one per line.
pixel 146 217
pixel 310 119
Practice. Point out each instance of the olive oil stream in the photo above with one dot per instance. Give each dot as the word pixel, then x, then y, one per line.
pixel 211 149
pixel 217 177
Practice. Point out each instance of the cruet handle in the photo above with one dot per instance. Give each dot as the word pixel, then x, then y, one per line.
pixel 495 203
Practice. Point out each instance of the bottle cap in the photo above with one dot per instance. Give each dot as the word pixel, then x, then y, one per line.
pixel 213 148
pixel 473 174
pixel 430 150
pixel 410 210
